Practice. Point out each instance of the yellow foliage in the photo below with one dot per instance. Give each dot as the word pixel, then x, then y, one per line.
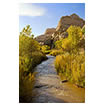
pixel 66 45
pixel 26 83
pixel 45 49
pixel 56 52
pixel 72 67
pixel 29 56
pixel 58 44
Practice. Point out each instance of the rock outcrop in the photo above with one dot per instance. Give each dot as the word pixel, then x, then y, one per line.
pixel 46 38
pixel 53 34
pixel 50 31
pixel 64 23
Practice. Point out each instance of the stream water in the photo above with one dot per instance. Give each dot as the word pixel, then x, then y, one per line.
pixel 49 88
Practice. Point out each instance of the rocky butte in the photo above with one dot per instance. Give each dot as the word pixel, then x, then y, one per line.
pixel 46 38
pixel 53 34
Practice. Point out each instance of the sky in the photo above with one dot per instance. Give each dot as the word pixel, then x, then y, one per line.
pixel 41 16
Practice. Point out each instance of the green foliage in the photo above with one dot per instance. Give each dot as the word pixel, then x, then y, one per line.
pixel 71 65
pixel 29 56
pixel 26 83
pixel 27 63
pixel 66 45
pixel 27 31
pixel 45 49
pixel 56 52
pixel 58 44
pixel 27 45
pixel 74 34
pixel 71 42
pixel 83 30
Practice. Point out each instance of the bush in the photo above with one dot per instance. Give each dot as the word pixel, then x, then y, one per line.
pixel 72 67
pixel 56 52
pixel 58 44
pixel 26 83
pixel 45 49
pixel 27 45
pixel 29 62
pixel 66 45
pixel 26 77
pixel 29 56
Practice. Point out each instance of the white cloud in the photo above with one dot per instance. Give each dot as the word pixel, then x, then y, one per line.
pixel 31 10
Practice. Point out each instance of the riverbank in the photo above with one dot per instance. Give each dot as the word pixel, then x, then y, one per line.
pixel 48 87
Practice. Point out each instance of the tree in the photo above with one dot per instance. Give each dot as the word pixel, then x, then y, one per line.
pixel 27 31
pixel 45 48
pixel 66 45
pixel 27 44
pixel 75 35
pixel 58 44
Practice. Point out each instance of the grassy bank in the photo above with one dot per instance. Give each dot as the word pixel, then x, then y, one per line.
pixel 56 52
pixel 71 68
pixel 70 62
pixel 30 55
pixel 27 75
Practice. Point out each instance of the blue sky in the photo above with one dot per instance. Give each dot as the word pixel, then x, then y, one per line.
pixel 41 16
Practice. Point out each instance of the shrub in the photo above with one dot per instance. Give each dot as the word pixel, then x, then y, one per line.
pixel 72 67
pixel 29 56
pixel 45 49
pixel 66 45
pixel 71 63
pixel 56 52
pixel 26 77
pixel 26 83
pixel 58 44
pixel 27 45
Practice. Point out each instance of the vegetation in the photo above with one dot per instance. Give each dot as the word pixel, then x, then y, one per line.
pixel 58 44
pixel 45 49
pixel 55 52
pixel 29 56
pixel 71 64
pixel 72 68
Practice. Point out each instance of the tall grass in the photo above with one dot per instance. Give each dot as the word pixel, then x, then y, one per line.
pixel 26 83
pixel 30 55
pixel 72 67
pixel 27 75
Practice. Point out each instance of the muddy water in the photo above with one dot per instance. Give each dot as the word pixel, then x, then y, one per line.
pixel 49 88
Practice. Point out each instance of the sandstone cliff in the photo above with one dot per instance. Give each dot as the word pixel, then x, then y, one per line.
pixel 46 38
pixel 64 23
pixel 53 34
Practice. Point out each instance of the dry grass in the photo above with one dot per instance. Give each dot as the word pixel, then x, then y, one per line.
pixel 72 67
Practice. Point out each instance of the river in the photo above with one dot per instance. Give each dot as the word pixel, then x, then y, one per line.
pixel 49 88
